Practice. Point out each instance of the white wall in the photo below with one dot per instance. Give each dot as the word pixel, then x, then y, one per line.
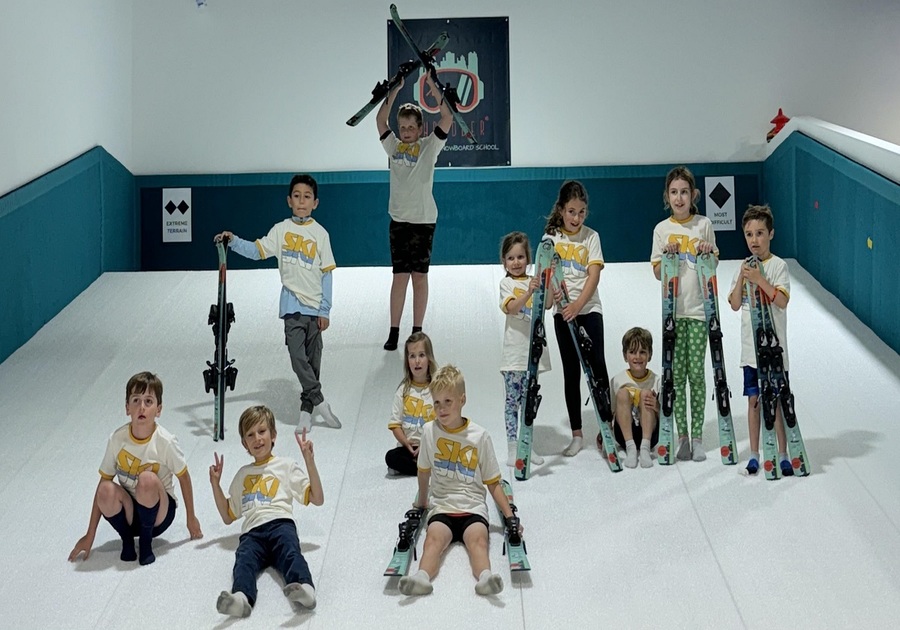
pixel 262 86
pixel 65 84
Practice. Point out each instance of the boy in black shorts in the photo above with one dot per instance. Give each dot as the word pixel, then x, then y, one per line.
pixel 412 208
pixel 457 460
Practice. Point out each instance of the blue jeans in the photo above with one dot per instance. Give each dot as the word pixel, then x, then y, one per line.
pixel 273 544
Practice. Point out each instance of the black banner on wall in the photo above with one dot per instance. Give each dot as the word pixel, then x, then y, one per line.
pixel 476 63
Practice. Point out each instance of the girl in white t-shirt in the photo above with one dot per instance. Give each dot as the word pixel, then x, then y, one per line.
pixel 581 256
pixel 516 290
pixel 413 406
pixel 687 234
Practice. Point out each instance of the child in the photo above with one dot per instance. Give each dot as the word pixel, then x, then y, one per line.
pixel 263 494
pixel 776 285
pixel 516 289
pixel 413 211
pixel 457 460
pixel 634 392
pixel 143 456
pixel 305 262
pixel 580 254
pixel 412 405
pixel 687 234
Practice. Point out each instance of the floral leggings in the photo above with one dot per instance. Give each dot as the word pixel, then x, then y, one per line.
pixel 690 365
pixel 515 397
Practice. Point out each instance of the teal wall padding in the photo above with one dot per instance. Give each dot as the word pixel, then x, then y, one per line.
pixel 834 207
pixel 476 208
pixel 58 233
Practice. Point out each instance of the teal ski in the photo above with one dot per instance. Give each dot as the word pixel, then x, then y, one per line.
pixel 665 449
pixel 706 269
pixel 405 549
pixel 513 543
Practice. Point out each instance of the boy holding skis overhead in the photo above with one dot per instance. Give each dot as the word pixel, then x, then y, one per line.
pixel 457 461
pixel 773 279
pixel 305 262
pixel 413 212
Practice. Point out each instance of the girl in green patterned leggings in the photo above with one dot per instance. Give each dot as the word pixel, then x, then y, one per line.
pixel 687 234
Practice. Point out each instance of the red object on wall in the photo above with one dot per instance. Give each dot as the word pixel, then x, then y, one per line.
pixel 779 121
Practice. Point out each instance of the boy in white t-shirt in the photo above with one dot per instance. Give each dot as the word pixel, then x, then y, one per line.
pixel 635 398
pixel 456 461
pixel 411 159
pixel 263 493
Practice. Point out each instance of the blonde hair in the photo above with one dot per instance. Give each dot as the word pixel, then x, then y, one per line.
pixel 256 415
pixel 416 337
pixel 448 377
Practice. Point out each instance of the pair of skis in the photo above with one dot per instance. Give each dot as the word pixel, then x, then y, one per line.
pixel 424 59
pixel 599 390
pixel 220 372
pixel 542 267
pixel 774 388
pixel 706 271
pixel 411 526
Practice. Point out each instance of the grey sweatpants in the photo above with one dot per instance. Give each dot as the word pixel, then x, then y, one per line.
pixel 304 343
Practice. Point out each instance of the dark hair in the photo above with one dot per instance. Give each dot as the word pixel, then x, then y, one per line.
pixel 682 173
pixel 143 381
pixel 570 190
pixel 759 213
pixel 515 238
pixel 636 339
pixel 304 179
pixel 410 110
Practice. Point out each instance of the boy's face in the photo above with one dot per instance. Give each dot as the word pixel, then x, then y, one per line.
pixel 410 129
pixel 259 440
pixel 758 238
pixel 302 201
pixel 143 409
pixel 637 360
pixel 448 404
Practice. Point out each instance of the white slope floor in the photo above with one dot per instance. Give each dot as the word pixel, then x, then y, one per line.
pixel 688 546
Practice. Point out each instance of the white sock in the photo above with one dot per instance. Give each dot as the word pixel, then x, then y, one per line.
pixel 418 584
pixel 683 453
pixel 323 412
pixel 488 583
pixel 699 455
pixel 512 452
pixel 646 459
pixel 233 604
pixel 303 594
pixel 574 446
pixel 631 456
pixel 305 422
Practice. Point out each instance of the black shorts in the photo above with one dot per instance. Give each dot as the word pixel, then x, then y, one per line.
pixel 411 246
pixel 636 434
pixel 159 529
pixel 458 523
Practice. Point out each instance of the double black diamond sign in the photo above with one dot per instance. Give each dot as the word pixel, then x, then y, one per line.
pixel 181 207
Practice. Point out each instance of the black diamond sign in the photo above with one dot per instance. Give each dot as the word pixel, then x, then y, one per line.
pixel 170 207
pixel 183 207
pixel 720 195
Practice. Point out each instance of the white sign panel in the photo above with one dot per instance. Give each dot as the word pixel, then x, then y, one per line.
pixel 176 215
pixel 720 202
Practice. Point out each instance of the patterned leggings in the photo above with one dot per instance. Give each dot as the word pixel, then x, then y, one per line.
pixel 690 365
pixel 515 398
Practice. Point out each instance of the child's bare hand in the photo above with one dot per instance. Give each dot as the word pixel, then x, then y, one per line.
pixel 704 247
pixel 215 471
pixel 223 236
pixel 306 446
pixel 413 449
pixel 193 526
pixel 570 312
pixel 323 324
pixel 751 273
pixel 671 248
pixel 82 546
pixel 649 400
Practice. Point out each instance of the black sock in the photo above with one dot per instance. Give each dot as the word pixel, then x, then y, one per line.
pixel 393 337
pixel 416 329
pixel 120 524
pixel 145 540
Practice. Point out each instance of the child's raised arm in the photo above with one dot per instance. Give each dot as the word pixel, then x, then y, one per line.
pixel 316 494
pixel 215 476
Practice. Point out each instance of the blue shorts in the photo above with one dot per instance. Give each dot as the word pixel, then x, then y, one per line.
pixel 751 381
